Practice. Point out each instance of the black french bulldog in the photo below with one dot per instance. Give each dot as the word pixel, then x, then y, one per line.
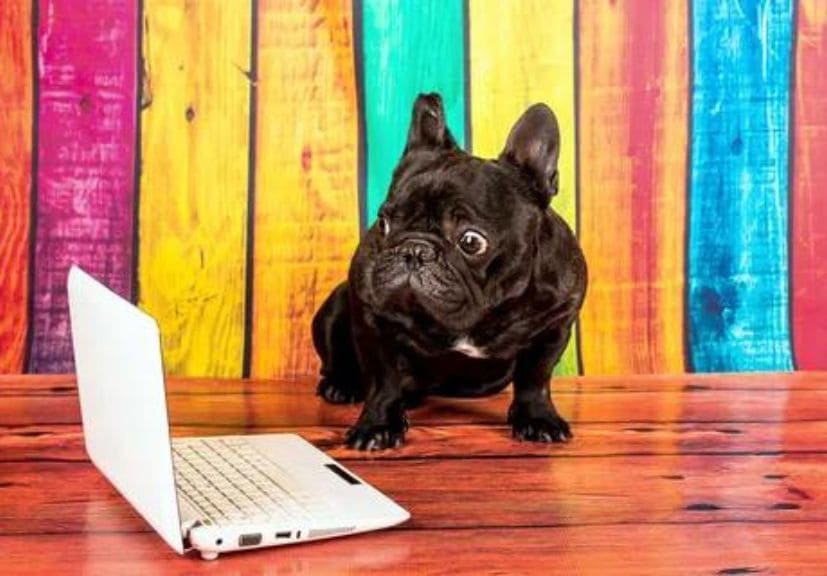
pixel 467 281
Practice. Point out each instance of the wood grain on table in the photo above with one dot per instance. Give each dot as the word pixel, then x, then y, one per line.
pixel 688 475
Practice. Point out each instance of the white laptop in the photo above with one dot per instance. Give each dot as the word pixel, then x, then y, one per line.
pixel 213 494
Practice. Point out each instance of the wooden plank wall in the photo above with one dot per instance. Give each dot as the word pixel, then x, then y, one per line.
pixel 521 53
pixel 16 92
pixel 633 135
pixel 306 218
pixel 693 133
pixel 738 285
pixel 193 188
pixel 87 54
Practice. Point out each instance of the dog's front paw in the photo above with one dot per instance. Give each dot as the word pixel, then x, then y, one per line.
pixel 538 426
pixel 337 393
pixel 368 436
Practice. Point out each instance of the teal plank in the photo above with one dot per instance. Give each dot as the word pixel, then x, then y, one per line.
pixel 408 47
pixel 737 260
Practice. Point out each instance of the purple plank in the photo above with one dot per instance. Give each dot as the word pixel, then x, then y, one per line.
pixel 87 64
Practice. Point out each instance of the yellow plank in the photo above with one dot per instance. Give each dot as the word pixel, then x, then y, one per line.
pixel 522 53
pixel 193 192
pixel 306 209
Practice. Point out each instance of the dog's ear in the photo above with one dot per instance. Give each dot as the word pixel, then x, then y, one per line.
pixel 533 146
pixel 428 129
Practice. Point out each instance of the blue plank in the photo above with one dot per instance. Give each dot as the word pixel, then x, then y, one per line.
pixel 407 48
pixel 738 293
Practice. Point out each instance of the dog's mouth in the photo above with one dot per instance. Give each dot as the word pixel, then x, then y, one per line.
pixel 433 287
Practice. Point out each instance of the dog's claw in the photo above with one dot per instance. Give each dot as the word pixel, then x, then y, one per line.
pixel 375 437
pixel 548 427
pixel 336 393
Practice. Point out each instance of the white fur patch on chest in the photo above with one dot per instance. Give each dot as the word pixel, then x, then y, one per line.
pixel 465 346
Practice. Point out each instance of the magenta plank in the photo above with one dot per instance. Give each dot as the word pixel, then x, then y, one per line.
pixel 86 134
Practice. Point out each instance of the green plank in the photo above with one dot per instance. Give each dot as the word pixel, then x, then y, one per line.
pixel 407 48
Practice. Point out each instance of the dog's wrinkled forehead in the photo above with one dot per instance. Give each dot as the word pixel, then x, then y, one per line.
pixel 454 184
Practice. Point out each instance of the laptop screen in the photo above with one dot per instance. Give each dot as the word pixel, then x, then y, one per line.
pixel 122 400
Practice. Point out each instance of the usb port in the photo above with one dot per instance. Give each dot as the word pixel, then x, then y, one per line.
pixel 249 539
pixel 280 535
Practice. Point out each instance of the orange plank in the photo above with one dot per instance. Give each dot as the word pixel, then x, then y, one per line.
pixel 15 178
pixel 306 194
pixel 633 137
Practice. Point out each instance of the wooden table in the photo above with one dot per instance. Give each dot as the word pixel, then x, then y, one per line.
pixel 666 475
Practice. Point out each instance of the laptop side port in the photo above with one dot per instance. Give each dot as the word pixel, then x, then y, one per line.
pixel 249 539
pixel 283 535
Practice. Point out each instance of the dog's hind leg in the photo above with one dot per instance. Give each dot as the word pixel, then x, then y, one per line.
pixel 340 381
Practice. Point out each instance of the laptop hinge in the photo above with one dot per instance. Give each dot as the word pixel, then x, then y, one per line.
pixel 186 528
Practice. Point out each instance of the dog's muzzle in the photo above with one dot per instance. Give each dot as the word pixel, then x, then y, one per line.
pixel 416 254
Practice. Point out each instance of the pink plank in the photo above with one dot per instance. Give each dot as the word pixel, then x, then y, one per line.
pixel 809 184
pixel 87 64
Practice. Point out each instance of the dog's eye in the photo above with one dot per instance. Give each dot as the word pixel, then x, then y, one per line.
pixel 384 226
pixel 473 243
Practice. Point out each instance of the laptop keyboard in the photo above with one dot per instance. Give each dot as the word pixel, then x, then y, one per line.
pixel 230 481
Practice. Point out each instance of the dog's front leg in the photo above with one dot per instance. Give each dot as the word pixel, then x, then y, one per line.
pixel 532 414
pixel 382 423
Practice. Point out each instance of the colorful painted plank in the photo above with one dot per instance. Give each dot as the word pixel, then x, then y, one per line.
pixel 86 161
pixel 522 53
pixel 195 135
pixel 15 179
pixel 407 48
pixel 809 184
pixel 306 205
pixel 738 286
pixel 633 74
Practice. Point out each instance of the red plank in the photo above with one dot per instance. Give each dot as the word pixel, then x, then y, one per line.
pixel 809 188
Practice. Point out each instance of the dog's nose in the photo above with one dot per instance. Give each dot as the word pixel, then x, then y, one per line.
pixel 416 253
